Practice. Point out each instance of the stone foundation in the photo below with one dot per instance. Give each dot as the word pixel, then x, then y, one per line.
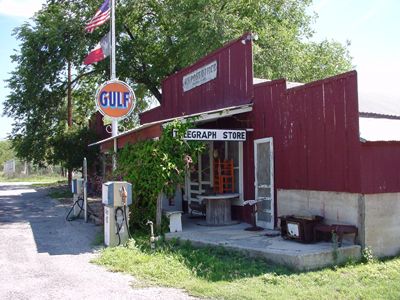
pixel 376 216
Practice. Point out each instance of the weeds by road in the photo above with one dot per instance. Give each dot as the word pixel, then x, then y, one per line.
pixel 218 273
pixel 60 192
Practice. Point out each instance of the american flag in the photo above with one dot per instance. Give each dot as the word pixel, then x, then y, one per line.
pixel 101 16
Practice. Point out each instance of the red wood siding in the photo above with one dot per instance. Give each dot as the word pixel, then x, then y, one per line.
pixel 233 85
pixel 133 137
pixel 315 134
pixel 151 115
pixel 96 124
pixel 106 146
pixel 141 135
pixel 380 167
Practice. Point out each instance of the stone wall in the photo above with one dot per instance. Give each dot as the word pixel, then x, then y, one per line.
pixel 336 208
pixel 377 216
pixel 382 223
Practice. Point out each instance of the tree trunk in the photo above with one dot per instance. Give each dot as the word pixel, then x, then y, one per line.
pixel 159 212
pixel 26 168
pixel 69 177
pixel 156 93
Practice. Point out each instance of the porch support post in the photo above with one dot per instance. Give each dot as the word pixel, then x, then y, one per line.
pixel 158 211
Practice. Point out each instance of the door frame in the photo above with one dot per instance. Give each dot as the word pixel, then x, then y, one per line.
pixel 271 159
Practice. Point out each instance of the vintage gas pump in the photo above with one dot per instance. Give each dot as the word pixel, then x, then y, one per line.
pixel 117 196
pixel 77 191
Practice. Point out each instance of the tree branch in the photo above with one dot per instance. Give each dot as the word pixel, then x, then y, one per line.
pixel 144 79
pixel 82 75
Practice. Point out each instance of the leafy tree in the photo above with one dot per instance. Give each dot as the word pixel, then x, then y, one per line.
pixel 6 152
pixel 51 50
pixel 76 141
pixel 155 39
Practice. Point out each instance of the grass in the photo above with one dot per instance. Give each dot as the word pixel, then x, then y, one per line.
pixel 60 192
pixel 217 273
pixel 98 239
pixel 45 179
pixel 51 184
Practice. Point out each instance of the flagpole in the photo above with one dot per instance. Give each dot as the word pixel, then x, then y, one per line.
pixel 113 71
pixel 113 76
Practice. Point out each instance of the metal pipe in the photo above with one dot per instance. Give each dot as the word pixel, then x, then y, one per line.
pixel 152 237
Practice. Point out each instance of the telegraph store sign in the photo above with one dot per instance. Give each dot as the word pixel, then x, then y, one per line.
pixel 215 135
pixel 115 99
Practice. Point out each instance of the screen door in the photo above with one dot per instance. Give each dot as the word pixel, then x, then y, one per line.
pixel 264 182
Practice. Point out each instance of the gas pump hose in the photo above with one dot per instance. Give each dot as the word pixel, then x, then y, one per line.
pixel 124 220
pixel 79 202
pixel 118 224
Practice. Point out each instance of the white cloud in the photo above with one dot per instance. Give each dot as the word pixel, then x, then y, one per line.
pixel 20 8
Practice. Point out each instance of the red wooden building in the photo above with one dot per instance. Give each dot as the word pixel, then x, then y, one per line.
pixel 302 151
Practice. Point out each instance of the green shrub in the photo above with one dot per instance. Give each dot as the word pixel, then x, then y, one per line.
pixel 154 167
pixel 367 255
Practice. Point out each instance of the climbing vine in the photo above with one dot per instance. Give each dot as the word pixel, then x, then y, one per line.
pixel 156 166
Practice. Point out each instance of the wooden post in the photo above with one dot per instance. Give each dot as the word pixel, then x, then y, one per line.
pixel 85 188
pixel 158 211
pixel 69 110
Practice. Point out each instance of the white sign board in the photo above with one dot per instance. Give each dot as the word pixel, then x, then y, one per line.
pixel 9 167
pixel 200 76
pixel 215 135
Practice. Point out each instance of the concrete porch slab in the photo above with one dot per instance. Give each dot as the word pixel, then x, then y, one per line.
pixel 275 249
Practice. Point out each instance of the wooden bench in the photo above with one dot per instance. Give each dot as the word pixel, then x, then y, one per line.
pixel 337 229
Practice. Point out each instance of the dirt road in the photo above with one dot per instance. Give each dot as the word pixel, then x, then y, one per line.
pixel 42 256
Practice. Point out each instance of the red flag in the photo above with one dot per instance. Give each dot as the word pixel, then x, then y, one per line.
pixel 100 52
pixel 101 16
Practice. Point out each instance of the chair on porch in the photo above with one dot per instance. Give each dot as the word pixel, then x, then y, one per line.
pixel 224 176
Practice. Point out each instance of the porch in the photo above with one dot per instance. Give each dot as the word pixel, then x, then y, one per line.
pixel 256 243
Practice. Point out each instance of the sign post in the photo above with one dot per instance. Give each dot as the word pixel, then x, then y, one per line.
pixel 114 98
pixel 114 124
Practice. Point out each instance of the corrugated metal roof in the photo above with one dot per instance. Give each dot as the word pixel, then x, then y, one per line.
pixel 373 130
pixel 289 84
pixel 379 103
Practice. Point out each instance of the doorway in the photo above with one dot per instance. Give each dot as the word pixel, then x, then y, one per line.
pixel 264 182
pixel 200 178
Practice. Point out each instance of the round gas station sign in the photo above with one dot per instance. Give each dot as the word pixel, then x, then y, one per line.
pixel 115 99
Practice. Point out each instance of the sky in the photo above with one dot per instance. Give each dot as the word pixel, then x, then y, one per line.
pixel 371 26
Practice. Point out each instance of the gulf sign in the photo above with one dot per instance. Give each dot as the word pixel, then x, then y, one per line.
pixel 115 99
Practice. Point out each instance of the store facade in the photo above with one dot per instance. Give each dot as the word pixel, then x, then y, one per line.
pixel 295 148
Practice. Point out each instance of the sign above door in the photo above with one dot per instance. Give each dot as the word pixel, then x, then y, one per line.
pixel 215 135
pixel 200 76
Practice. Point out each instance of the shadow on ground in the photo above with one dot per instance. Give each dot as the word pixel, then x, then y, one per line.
pixel 22 204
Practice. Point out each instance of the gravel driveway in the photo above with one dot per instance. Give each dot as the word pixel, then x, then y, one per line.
pixel 42 256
